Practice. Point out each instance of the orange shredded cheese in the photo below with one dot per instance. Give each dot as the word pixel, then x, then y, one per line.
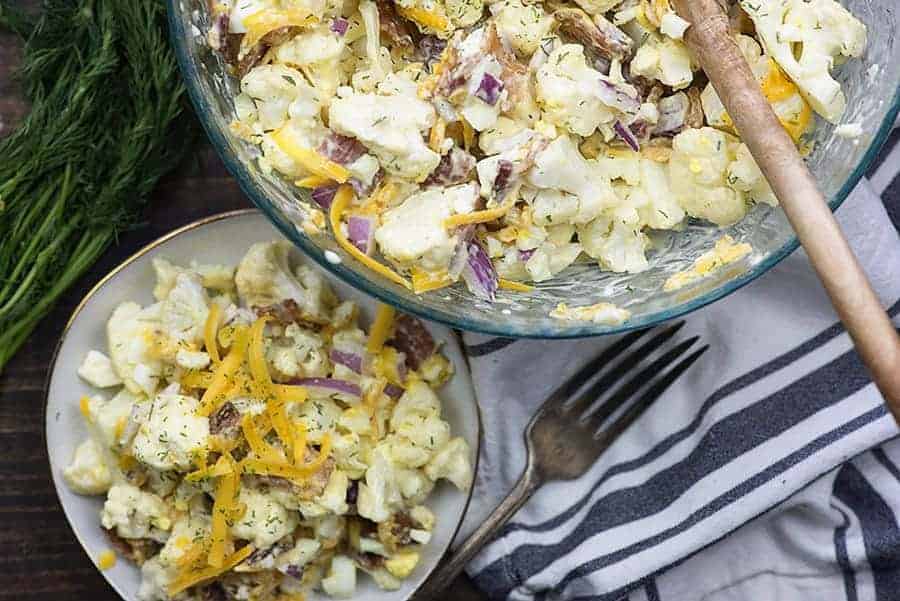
pixel 84 405
pixel 221 468
pixel 300 444
pixel 309 159
pixel 262 381
pixel 515 286
pixel 338 206
pixel 262 22
pixel 437 135
pixel 127 463
pixel 290 394
pixel 282 469
pixel 281 424
pixel 220 535
pixel 311 181
pixel 468 135
pixel 210 329
pixel 255 441
pixel 484 216
pixel 423 281
pixel 192 555
pixel 204 575
pixel 381 328
pixel 433 19
pixel 197 379
pixel 222 378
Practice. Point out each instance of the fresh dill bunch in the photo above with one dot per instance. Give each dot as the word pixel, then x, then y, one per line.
pixel 107 121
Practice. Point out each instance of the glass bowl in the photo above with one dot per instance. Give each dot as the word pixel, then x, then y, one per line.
pixel 871 85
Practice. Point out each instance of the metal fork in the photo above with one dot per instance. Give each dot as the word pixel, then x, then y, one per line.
pixel 570 431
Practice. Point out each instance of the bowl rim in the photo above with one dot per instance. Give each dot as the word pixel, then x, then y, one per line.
pixel 245 179
pixel 109 277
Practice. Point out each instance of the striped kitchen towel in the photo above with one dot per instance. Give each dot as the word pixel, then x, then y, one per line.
pixel 761 427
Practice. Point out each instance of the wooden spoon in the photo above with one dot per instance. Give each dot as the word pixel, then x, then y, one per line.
pixel 848 287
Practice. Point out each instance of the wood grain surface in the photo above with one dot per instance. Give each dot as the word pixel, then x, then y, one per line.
pixel 40 559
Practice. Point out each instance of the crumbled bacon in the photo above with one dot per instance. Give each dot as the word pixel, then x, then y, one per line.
pixel 412 338
pixel 392 26
pixel 455 167
pixel 341 149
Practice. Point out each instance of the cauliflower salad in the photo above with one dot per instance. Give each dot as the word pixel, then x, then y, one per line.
pixel 253 442
pixel 496 142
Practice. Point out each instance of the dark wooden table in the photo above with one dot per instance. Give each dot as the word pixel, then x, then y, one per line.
pixel 40 559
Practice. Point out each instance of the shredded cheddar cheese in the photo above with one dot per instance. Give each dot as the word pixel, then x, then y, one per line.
pixel 437 135
pixel 474 217
pixel 221 468
pixel 381 328
pixel 338 206
pixel 213 396
pixel 204 575
pixel 210 329
pixel 262 381
pixel 432 19
pixel 260 23
pixel 309 159
pixel 423 281
pixel 106 560
pixel 300 444
pixel 514 286
pixel 84 405
pixel 312 181
pixel 255 441
pixel 226 491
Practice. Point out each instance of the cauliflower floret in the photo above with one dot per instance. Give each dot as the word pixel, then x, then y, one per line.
pixel 334 497
pixel 88 473
pixel 380 495
pixel 569 91
pixel 807 38
pixel 130 337
pixel 645 189
pixel 698 172
pixel 173 434
pixel 745 176
pixel 521 25
pixel 97 370
pixel 414 232
pixel 185 309
pixel 341 579
pixel 665 60
pixel 561 167
pixel 414 485
pixel 478 113
pixel 278 93
pixel 155 579
pixel 134 513
pixel 264 278
pixel 452 462
pixel 549 259
pixel 606 313
pixel 319 51
pixel 265 521
pixel 618 245
pixel 793 111
pixel 391 127
pixel 110 417
pixel 217 277
pixel 318 416
pixel 598 7
pixel 191 359
pixel 299 353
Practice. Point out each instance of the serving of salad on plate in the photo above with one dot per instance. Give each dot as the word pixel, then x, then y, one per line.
pixel 253 442
pixel 497 143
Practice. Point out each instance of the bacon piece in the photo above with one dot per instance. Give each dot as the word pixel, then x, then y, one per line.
pixel 600 36
pixel 341 149
pixel 412 338
pixel 455 168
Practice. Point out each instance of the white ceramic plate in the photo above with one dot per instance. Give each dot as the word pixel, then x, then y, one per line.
pixel 220 239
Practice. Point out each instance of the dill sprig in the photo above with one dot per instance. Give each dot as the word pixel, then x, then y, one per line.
pixel 106 122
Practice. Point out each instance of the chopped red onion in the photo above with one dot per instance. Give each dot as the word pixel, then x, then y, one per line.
pixel 480 276
pixel 340 25
pixel 393 391
pixel 324 195
pixel 673 111
pixel 429 49
pixel 627 137
pixel 341 149
pixel 461 252
pixel 361 232
pixel 504 175
pixel 328 386
pixel 363 189
pixel 618 97
pixel 524 255
pixel 489 89
pixel 348 359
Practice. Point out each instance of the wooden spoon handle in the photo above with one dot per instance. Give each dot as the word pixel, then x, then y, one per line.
pixel 851 293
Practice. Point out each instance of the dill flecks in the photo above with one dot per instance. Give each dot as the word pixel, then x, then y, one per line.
pixel 106 122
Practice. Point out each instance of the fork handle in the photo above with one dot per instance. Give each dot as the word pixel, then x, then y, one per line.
pixel 449 570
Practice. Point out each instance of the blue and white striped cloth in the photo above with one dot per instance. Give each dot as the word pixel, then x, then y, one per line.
pixel 736 484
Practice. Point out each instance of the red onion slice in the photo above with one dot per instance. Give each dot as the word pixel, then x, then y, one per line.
pixel 489 89
pixel 619 97
pixel 339 26
pixel 524 255
pixel 348 359
pixel 341 149
pixel 393 391
pixel 625 134
pixel 361 232
pixel 324 195
pixel 328 386
pixel 479 273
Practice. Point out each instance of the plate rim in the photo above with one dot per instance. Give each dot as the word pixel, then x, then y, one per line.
pixel 125 263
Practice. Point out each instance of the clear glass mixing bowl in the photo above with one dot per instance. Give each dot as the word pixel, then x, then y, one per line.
pixel 873 97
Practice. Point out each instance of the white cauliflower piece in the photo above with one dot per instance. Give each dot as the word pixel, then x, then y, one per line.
pixel 133 513
pixel 265 522
pixel 698 172
pixel 560 166
pixel 88 473
pixel 665 60
pixel 380 495
pixel 452 462
pixel 334 497
pixel 605 313
pixel 569 91
pixel 318 50
pixel 155 579
pixel 299 353
pixel 391 127
pixel 549 259
pixel 618 245
pixel 278 93
pixel 264 278
pixel 318 416
pixel 521 25
pixel 130 337
pixel 109 417
pixel 97 370
pixel 414 232
pixel 173 435
pixel 191 359
pixel 745 176
pixel 807 38
pixel 185 309
pixel 341 579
